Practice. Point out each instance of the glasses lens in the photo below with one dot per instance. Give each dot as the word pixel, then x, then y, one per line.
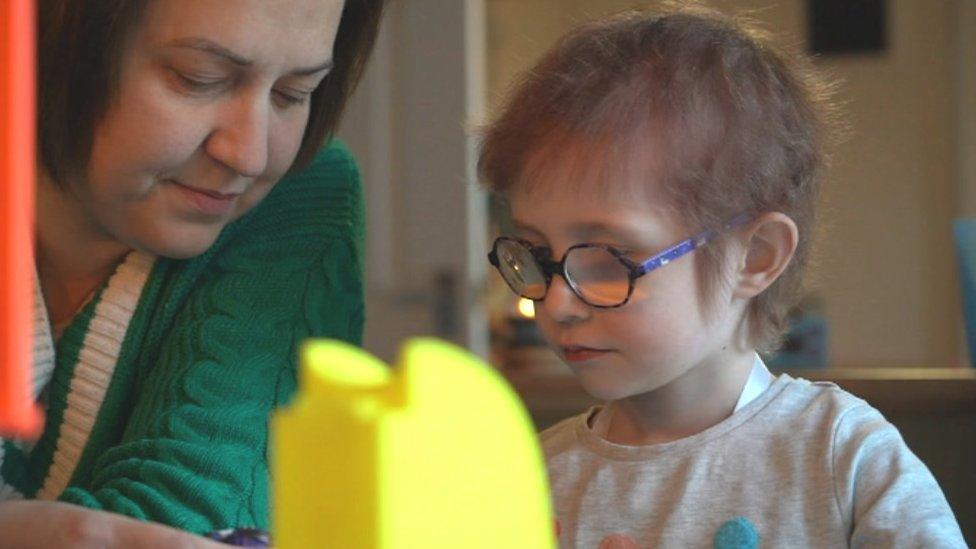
pixel 520 269
pixel 598 276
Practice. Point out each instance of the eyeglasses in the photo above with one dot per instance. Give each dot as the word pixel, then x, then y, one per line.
pixel 599 274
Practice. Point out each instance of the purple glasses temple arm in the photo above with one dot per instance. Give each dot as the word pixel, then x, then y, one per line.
pixel 685 247
pixel 674 252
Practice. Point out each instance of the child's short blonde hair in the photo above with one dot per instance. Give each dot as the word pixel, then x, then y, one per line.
pixel 736 127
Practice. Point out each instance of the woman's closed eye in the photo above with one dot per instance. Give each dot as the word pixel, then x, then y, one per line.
pixel 289 98
pixel 202 84
pixel 198 83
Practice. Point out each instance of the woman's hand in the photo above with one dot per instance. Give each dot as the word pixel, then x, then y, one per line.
pixel 46 525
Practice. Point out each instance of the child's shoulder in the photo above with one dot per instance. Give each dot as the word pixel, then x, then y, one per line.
pixel 820 406
pixel 563 435
pixel 803 394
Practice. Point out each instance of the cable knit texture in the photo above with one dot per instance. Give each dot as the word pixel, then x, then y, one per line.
pixel 159 403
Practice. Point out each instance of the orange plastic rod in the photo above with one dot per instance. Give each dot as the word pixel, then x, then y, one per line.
pixel 18 415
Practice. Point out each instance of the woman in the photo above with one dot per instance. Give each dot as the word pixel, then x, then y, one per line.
pixel 177 273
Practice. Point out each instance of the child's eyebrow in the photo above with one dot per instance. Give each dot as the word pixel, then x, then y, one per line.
pixel 525 228
pixel 597 229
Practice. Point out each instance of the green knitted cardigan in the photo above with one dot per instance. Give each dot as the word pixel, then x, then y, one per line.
pixel 163 384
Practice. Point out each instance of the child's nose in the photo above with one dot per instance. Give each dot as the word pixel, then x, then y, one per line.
pixel 562 304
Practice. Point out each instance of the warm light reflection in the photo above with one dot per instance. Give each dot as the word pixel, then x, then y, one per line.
pixel 526 308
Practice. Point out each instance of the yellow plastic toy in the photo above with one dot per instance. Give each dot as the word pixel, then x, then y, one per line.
pixel 436 453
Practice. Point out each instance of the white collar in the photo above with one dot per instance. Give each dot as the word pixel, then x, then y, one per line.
pixel 759 379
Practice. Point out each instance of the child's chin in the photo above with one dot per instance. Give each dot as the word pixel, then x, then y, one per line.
pixel 602 390
pixel 606 390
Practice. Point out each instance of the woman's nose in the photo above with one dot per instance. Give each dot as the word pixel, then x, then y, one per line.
pixel 562 304
pixel 240 139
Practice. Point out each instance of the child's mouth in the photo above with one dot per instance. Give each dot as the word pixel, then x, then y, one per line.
pixel 581 354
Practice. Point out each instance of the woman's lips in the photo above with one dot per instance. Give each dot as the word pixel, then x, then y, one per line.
pixel 575 353
pixel 205 201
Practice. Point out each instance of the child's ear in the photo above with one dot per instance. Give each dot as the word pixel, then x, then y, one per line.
pixel 770 240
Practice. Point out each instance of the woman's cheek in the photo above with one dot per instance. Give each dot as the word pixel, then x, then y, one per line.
pixel 286 135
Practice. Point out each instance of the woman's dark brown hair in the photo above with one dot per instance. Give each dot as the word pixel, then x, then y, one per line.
pixel 80 45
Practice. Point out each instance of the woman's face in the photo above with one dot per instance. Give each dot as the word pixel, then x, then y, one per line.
pixel 211 106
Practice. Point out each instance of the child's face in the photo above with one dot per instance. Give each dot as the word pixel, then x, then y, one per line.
pixel 663 331
pixel 211 106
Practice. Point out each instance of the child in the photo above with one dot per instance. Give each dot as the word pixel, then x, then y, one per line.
pixel 662 174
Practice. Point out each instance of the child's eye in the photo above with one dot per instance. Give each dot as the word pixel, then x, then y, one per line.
pixel 541 252
pixel 622 250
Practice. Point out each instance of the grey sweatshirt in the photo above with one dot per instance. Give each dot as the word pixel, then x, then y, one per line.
pixel 803 465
